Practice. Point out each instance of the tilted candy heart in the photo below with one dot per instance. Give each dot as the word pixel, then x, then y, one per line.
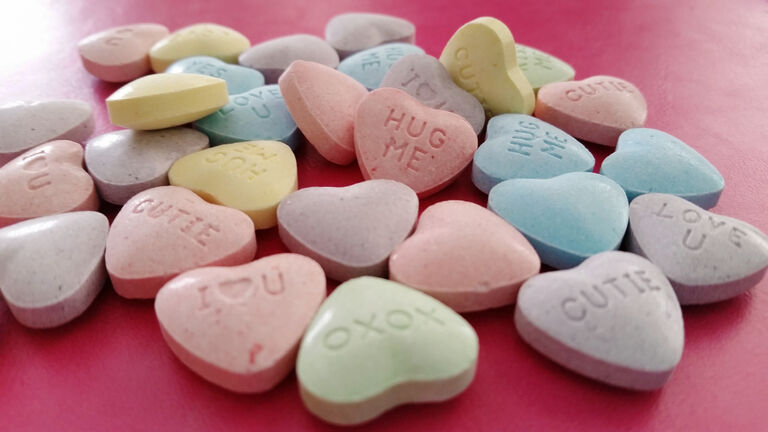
pixel 203 39
pixel 541 68
pixel 352 32
pixel 272 57
pixel 239 79
pixel 120 54
pixel 369 66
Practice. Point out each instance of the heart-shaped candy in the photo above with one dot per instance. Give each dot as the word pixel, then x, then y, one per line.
pixel 126 162
pixel 240 327
pixel 51 268
pixel 465 256
pixel 649 160
pixel 424 77
pixel 614 318
pixel 481 58
pixel 541 68
pixel 376 344
pixel 399 138
pixel 257 114
pixel 252 176
pixel 239 79
pixel 597 109
pixel 707 257
pixel 567 218
pixel 352 32
pixel 369 66
pixel 167 230
pixel 204 39
pixel 352 230
pixel 521 146
pixel 29 124
pixel 45 180
pixel 272 57
pixel 120 54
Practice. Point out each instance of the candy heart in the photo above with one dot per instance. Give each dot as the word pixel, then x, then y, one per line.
pixel 252 176
pixel 369 66
pixel 272 57
pixel 707 257
pixel 465 256
pixel 481 58
pixel 376 344
pixel 126 162
pixel 51 268
pixel 350 231
pixel 167 230
pixel 239 79
pixel 352 32
pixel 398 138
pixel 567 218
pixel 45 180
pixel 240 327
pixel 165 100
pixel 521 146
pixel 29 124
pixel 323 102
pixel 649 160
pixel 597 109
pixel 205 39
pixel 120 54
pixel 541 68
pixel 424 77
pixel 257 114
pixel 614 319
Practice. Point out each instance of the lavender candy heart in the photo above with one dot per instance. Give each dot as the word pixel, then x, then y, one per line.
pixel 273 56
pixel 352 32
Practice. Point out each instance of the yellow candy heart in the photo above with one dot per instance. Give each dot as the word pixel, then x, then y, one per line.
pixel 481 58
pixel 252 176
pixel 211 40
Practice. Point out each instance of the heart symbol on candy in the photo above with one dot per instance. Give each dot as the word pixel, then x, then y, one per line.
pixel 240 327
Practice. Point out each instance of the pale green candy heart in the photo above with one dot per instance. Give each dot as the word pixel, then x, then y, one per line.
pixel 376 344
pixel 541 68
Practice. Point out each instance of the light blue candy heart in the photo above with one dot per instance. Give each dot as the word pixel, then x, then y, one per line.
pixel 239 79
pixel 649 160
pixel 567 218
pixel 521 146
pixel 369 66
pixel 258 114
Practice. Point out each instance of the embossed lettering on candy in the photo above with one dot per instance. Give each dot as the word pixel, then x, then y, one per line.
pixel 120 54
pixel 541 68
pixel 204 39
pixel 239 79
pixel 376 344
pixel 352 32
pixel 273 56
pixel 368 67
pixel 257 114
pixel 707 257
pixel 614 318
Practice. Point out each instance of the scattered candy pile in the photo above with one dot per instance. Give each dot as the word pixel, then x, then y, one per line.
pixel 186 234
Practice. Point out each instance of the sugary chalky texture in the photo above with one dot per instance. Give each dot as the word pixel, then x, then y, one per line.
pixel 272 57
pixel 239 79
pixel 204 39
pixel 370 66
pixel 352 32
pixel 120 54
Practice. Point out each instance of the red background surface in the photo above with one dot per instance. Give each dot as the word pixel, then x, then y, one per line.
pixel 702 66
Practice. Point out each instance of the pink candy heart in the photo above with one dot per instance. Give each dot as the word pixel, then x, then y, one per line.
pixel 120 54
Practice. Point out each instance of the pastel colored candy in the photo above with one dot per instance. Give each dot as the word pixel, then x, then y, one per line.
pixel 257 114
pixel 203 39
pixel 481 58
pixel 398 138
pixel 424 77
pixel 126 162
pixel 323 102
pixel 369 66
pixel 352 32
pixel 239 79
pixel 614 319
pixel 351 230
pixel 240 327
pixel 567 218
pixel 45 180
pixel 29 124
pixel 649 160
pixel 707 257
pixel 51 268
pixel 120 54
pixel 272 57
pixel 167 230
pixel 376 344
pixel 465 256
pixel 521 146
pixel 541 68
pixel 165 100
pixel 597 109
pixel 251 176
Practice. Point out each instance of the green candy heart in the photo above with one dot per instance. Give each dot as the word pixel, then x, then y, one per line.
pixel 541 68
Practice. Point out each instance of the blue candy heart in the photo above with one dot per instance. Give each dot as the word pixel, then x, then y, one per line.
pixel 649 160
pixel 521 146
pixel 567 218
pixel 369 66
pixel 239 79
